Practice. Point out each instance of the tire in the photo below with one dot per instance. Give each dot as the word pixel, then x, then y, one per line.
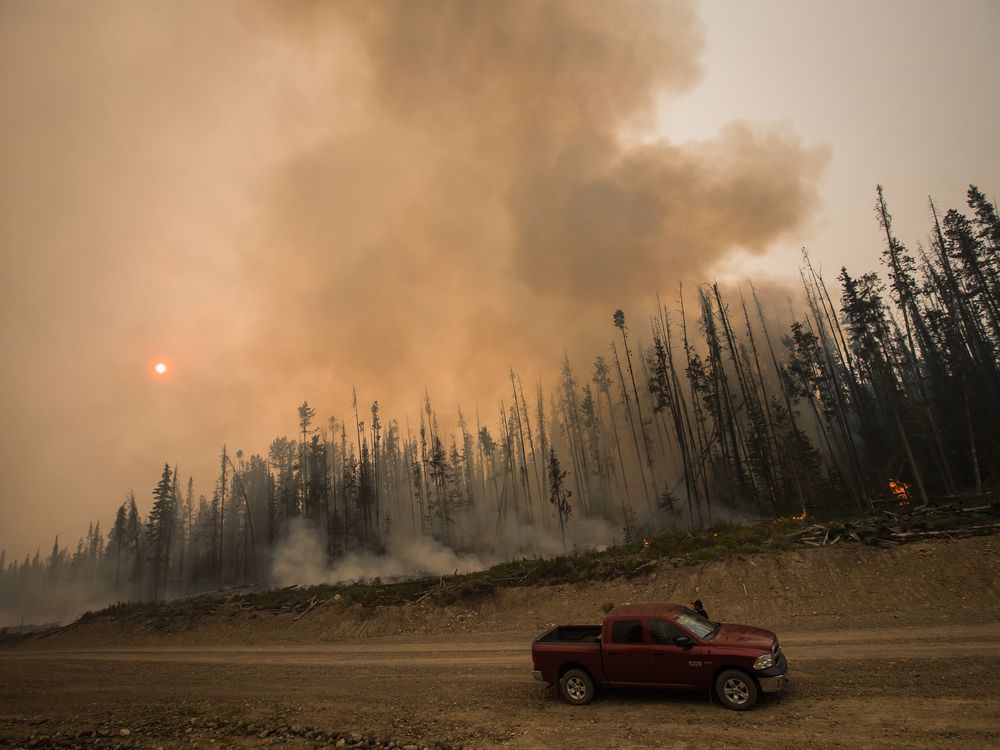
pixel 576 687
pixel 736 690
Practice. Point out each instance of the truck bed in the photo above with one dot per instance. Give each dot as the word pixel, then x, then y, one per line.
pixel 571 634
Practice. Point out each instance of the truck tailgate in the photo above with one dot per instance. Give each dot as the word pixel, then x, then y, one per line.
pixel 551 659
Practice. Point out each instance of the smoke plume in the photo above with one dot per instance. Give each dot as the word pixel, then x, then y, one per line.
pixel 484 199
pixel 288 199
pixel 301 559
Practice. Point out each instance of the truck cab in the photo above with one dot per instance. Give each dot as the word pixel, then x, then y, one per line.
pixel 661 646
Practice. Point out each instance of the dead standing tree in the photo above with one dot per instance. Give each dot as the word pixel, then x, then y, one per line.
pixel 619 322
pixel 603 383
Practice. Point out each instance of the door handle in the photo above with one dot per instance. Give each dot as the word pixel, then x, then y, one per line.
pixel 613 653
pixel 659 653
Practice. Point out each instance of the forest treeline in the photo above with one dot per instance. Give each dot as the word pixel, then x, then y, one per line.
pixel 881 387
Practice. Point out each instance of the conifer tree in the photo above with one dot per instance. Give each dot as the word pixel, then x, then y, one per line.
pixel 119 540
pixel 559 493
pixel 159 529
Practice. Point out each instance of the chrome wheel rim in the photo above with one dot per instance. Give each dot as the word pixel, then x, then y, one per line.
pixel 576 689
pixel 736 690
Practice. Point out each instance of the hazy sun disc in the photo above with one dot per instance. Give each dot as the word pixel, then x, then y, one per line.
pixel 160 368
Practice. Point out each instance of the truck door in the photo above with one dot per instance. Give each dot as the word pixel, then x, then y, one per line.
pixel 672 665
pixel 626 655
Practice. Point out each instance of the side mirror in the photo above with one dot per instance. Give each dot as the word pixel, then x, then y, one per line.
pixel 683 641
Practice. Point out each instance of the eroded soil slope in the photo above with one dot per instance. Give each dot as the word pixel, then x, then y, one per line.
pixel 855 586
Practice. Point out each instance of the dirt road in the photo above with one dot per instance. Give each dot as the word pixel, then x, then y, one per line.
pixel 891 686
pixel 423 674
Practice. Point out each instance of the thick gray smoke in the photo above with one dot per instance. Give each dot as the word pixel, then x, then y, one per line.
pixel 480 197
pixel 301 557
pixel 288 199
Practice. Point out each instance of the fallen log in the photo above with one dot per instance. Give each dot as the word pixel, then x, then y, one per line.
pixel 312 603
pixel 962 532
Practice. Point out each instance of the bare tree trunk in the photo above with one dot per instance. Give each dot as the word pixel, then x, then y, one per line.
pixel 635 437
pixel 222 510
pixel 698 435
pixel 542 441
pixel 760 389
pixel 524 457
pixel 973 457
pixel 531 445
pixel 638 409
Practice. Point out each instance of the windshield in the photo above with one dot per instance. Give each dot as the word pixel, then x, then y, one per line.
pixel 698 625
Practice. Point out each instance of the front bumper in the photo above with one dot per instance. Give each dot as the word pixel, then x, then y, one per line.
pixel 773 679
pixel 537 674
pixel 772 684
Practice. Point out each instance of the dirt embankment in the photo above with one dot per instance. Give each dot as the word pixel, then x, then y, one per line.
pixel 854 587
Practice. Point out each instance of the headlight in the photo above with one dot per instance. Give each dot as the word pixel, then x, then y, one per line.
pixel 764 662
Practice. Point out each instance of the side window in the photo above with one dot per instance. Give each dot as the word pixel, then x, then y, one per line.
pixel 626 631
pixel 663 632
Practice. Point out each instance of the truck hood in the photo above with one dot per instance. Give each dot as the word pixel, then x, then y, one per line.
pixel 743 636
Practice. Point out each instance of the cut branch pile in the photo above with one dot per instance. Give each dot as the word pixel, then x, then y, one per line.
pixel 903 525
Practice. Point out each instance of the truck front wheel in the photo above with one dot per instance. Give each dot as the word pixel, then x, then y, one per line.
pixel 577 687
pixel 736 690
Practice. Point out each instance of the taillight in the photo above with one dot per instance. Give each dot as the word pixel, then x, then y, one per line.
pixel 534 661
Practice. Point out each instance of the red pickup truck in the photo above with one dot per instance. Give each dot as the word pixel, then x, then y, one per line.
pixel 661 646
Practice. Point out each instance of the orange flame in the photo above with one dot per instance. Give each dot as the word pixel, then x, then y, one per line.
pixel 900 491
pixel 645 542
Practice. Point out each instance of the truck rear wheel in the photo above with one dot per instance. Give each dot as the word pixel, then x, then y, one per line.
pixel 577 687
pixel 736 690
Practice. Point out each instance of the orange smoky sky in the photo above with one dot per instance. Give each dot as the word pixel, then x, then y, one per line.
pixel 282 201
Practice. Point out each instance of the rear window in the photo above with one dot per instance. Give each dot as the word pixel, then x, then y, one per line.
pixel 626 631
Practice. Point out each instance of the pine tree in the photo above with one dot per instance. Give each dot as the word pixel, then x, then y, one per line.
pixel 559 494
pixel 119 539
pixel 134 534
pixel 159 529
